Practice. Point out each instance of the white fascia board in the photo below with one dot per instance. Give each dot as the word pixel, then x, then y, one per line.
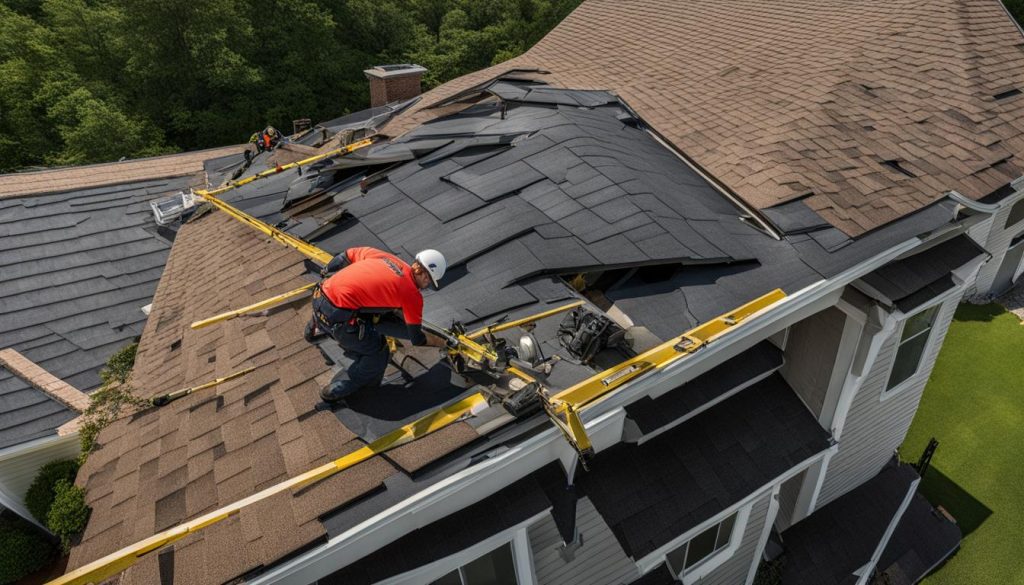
pixel 602 419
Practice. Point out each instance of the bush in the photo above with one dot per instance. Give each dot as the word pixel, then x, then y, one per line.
pixel 120 365
pixel 40 494
pixel 25 549
pixel 69 514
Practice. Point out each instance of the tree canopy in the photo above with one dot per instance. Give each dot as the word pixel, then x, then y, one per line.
pixel 86 81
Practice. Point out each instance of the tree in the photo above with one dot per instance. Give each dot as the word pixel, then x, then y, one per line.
pixel 92 80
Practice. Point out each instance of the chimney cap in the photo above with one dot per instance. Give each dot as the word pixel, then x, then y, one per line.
pixel 395 70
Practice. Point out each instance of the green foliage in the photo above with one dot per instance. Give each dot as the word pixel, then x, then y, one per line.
pixel 86 81
pixel 114 398
pixel 69 514
pixel 972 405
pixel 40 494
pixel 119 366
pixel 106 405
pixel 25 548
pixel 1016 8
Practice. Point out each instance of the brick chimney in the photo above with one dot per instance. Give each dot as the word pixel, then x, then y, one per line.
pixel 393 83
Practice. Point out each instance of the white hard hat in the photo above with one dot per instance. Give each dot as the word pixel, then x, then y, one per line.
pixel 434 262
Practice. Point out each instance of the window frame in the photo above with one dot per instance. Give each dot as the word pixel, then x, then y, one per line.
pixel 522 557
pixel 688 569
pixel 887 391
pixel 712 561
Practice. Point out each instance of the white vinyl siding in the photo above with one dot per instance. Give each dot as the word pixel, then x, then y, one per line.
pixel 996 242
pixel 600 559
pixel 874 427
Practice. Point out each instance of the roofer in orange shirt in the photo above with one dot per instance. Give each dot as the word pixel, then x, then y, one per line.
pixel 356 306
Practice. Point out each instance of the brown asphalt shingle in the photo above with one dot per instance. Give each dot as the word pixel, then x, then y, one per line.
pixel 792 99
pixel 49 181
pixel 217 446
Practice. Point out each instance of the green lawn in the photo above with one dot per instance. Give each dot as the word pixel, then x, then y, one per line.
pixel 974 406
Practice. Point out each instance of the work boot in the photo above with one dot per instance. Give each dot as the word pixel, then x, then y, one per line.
pixel 312 332
pixel 337 391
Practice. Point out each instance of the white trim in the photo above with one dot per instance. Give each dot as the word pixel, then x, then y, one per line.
pixel 868 569
pixel 813 504
pixel 762 541
pixel 515 536
pixel 522 554
pixel 855 380
pixel 849 340
pixel 802 507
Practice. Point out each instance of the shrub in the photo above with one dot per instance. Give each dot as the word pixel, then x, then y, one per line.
pixel 40 494
pixel 119 366
pixel 25 548
pixel 69 514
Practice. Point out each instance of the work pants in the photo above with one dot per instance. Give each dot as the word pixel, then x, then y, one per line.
pixel 363 341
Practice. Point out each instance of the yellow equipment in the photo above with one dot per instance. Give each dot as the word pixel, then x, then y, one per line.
pixel 165 398
pixel 120 560
pixel 564 407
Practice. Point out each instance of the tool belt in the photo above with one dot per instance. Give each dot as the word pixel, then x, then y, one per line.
pixel 336 320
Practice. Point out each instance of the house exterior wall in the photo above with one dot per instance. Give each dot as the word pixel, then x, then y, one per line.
pixel 788 496
pixel 19 465
pixel 875 427
pixel 737 569
pixel 811 350
pixel 996 239
pixel 599 560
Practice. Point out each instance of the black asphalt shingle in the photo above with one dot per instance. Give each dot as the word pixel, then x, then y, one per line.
pixel 75 270
pixel 828 546
pixel 653 492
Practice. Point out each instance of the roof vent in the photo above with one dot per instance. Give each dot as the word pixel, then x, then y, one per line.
pixel 896 166
pixel 1006 94
pixel 168 210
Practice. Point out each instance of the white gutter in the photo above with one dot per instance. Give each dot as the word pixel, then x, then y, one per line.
pixel 603 419
pixel 972 204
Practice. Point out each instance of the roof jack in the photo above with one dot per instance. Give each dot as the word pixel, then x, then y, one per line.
pixel 206 193
pixel 564 407
pixel 172 396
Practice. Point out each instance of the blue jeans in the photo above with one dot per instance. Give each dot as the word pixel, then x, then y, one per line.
pixel 363 341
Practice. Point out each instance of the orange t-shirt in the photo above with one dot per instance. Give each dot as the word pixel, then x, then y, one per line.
pixel 375 280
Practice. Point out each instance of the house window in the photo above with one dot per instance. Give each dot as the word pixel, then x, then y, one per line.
pixel 494 568
pixel 916 331
pixel 701 547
